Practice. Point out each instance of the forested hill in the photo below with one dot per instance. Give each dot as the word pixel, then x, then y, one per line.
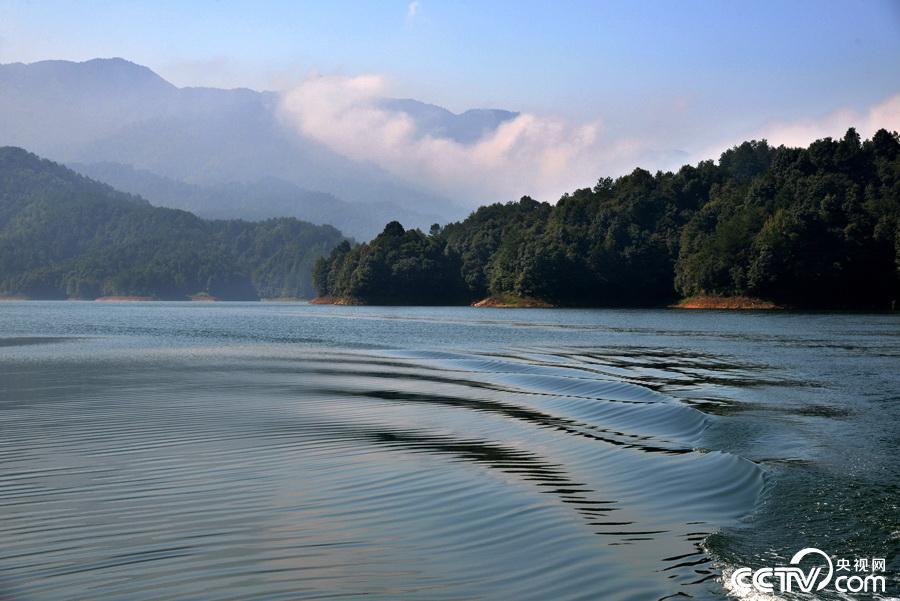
pixel 812 227
pixel 63 235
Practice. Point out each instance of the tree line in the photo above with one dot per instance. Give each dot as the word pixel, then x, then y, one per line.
pixel 65 236
pixel 813 227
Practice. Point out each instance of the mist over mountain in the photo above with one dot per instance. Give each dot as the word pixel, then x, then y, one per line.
pixel 465 128
pixel 114 111
pixel 261 199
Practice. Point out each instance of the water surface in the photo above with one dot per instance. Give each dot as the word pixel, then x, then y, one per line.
pixel 288 451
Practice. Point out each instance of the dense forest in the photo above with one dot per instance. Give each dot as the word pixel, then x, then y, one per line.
pixel 65 236
pixel 808 227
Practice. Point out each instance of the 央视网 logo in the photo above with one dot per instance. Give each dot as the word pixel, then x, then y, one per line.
pixel 791 578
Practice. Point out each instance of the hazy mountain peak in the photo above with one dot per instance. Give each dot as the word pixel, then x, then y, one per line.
pixel 97 73
pixel 466 128
pixel 111 110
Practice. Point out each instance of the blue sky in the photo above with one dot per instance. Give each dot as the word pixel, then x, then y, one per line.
pixel 573 58
pixel 653 83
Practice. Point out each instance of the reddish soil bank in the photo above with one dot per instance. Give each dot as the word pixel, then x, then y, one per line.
pixel 725 302
pixel 126 298
pixel 512 302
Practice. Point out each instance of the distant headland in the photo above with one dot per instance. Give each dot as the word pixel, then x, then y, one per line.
pixel 764 228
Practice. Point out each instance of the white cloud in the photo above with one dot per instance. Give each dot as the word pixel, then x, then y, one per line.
pixel 412 9
pixel 536 155
pixel 884 114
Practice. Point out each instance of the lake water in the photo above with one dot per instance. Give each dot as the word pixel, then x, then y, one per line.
pixel 290 451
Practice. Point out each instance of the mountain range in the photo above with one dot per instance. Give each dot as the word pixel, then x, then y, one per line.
pixel 63 235
pixel 219 153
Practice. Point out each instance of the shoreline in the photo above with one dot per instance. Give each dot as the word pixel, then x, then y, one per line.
pixel 125 298
pixel 694 303
pixel 332 300
pixel 509 301
pixel 732 303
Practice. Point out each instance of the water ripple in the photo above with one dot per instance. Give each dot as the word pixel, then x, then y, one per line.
pixel 272 472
